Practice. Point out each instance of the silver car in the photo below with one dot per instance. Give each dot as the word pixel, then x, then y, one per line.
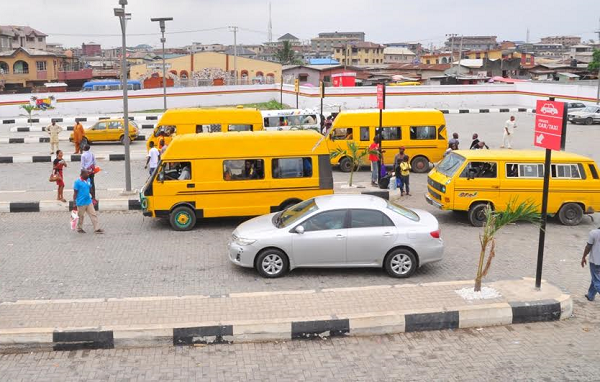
pixel 338 231
pixel 589 115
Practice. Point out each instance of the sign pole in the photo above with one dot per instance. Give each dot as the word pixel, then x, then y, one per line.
pixel 540 256
pixel 297 90
pixel 281 91
pixel 322 91
pixel 381 106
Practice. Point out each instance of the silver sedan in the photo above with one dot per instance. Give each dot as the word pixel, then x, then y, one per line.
pixel 338 231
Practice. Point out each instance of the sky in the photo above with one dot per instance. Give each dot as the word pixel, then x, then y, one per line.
pixel 72 22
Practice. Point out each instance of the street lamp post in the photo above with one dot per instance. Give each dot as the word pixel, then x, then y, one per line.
pixel 161 21
pixel 123 17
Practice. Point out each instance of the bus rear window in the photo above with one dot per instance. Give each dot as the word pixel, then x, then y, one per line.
pixel 593 171
pixel 422 132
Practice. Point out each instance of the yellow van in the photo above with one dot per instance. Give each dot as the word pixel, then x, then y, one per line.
pixel 421 131
pixel 192 121
pixel 245 174
pixel 468 180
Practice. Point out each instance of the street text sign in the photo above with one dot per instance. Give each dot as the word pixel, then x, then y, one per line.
pixel 380 96
pixel 549 121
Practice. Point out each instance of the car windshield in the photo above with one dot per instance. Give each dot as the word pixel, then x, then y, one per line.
pixel 450 164
pixel 294 213
pixel 409 214
pixel 591 109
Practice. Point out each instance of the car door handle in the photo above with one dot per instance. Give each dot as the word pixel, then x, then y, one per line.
pixel 495 186
pixel 387 234
pixel 191 185
pixel 339 236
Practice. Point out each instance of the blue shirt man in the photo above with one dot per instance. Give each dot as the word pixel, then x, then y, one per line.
pixel 83 201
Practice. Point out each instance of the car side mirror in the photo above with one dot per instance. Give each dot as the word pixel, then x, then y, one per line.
pixel 299 229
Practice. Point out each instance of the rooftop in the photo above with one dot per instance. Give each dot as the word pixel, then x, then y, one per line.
pixel 29 52
pixel 398 50
pixel 17 30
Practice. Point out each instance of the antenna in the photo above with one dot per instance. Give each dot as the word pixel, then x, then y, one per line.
pixel 270 27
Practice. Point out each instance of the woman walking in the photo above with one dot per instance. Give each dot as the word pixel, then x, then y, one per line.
pixel 58 165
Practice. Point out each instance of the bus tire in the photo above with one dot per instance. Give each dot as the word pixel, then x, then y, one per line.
pixel 345 164
pixel 477 214
pixel 570 214
pixel 182 218
pixel 420 164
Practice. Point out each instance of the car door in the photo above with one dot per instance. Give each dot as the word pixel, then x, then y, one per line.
pixel 596 115
pixel 97 132
pixel 371 234
pixel 323 242
pixel 114 131
pixel 478 182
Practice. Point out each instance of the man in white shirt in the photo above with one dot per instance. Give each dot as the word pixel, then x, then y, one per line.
pixel 593 249
pixel 152 158
pixel 509 130
pixel 53 130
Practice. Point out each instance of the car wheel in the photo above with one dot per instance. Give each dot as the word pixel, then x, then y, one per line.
pixel 182 218
pixel 589 121
pixel 570 214
pixel 477 214
pixel 420 164
pixel 345 164
pixel 401 263
pixel 272 263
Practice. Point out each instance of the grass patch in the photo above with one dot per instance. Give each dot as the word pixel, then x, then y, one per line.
pixel 270 105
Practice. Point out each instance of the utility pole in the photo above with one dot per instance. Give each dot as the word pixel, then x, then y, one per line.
pixel 270 27
pixel 161 21
pixel 460 52
pixel 234 30
pixel 451 36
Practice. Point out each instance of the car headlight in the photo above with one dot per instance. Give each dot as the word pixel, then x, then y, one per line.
pixel 443 189
pixel 242 240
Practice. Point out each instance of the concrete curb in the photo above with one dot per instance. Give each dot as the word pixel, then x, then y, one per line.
pixel 93 118
pixel 67 158
pixel 490 110
pixel 46 140
pixel 206 333
pixel 40 129
pixel 105 205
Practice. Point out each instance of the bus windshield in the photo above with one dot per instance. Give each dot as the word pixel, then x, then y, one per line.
pixel 450 164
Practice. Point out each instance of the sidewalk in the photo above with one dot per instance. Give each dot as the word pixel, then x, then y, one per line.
pixel 271 316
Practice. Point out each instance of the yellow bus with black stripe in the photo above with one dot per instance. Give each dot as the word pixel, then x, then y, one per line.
pixel 244 174
pixel 470 180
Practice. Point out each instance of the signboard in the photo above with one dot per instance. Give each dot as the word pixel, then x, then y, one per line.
pixel 297 85
pixel 549 122
pixel 158 66
pixel 380 96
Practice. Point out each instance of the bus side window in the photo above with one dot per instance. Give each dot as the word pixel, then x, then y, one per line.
pixel 391 133
pixel 593 171
pixel 422 132
pixel 364 133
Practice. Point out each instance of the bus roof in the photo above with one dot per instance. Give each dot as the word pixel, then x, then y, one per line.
pixel 286 112
pixel 245 145
pixel 520 155
pixel 391 117
pixel 208 116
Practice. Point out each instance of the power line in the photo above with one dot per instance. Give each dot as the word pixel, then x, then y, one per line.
pixel 131 34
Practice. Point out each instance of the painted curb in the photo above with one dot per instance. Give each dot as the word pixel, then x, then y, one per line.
pixel 93 118
pixel 67 158
pixel 488 110
pixel 105 205
pixel 40 129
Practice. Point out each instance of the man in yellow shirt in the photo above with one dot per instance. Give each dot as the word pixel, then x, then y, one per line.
pixel 404 176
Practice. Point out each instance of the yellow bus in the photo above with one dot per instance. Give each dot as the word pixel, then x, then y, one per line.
pixel 245 174
pixel 469 180
pixel 192 121
pixel 422 132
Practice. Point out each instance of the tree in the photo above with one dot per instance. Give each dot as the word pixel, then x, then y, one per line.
pixel 29 108
pixel 594 66
pixel 352 154
pixel 286 55
pixel 526 211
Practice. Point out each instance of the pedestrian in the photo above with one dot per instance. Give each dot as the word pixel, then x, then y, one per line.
pixel 452 147
pixel 593 249
pixel 509 130
pixel 404 176
pixel 83 202
pixel 152 158
pixel 88 163
pixel 481 145
pixel 453 140
pixel 53 130
pixel 475 142
pixel 398 159
pixel 163 146
pixel 57 165
pixel 374 159
pixel 78 136
pixel 328 123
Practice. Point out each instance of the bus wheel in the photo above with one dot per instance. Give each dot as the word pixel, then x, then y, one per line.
pixel 477 214
pixel 182 218
pixel 346 164
pixel 420 164
pixel 570 214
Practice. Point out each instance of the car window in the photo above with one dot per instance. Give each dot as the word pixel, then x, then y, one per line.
pixel 100 126
pixel 175 171
pixel 364 133
pixel 291 168
pixel 364 218
pixel 208 128
pixel 391 133
pixel 407 213
pixel 240 128
pixel 114 125
pixel 422 132
pixel 243 169
pixel 296 212
pixel 480 170
pixel 324 221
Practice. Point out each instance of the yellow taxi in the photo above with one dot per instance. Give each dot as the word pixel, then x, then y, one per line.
pixel 110 130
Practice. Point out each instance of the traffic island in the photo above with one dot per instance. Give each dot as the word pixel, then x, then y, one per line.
pixel 272 316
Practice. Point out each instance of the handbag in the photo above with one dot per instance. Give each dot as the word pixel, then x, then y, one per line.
pixel 53 177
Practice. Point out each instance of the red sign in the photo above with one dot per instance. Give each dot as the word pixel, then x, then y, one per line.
pixel 549 117
pixel 380 96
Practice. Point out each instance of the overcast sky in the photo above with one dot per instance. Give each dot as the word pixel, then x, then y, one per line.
pixel 72 22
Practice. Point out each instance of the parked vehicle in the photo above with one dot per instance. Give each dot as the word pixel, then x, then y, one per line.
pixel 244 174
pixel 110 130
pixel 588 115
pixel 575 106
pixel 110 85
pixel 194 120
pixel 469 180
pixel 421 131
pixel 358 231
pixel 293 119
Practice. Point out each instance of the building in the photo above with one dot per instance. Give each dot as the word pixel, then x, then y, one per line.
pixel 565 41
pixel 328 40
pixel 398 55
pixel 414 47
pixel 359 53
pixel 313 74
pixel 581 53
pixel 437 58
pixel 91 49
pixel 199 47
pixel 13 37
pixel 472 42
pixel 240 51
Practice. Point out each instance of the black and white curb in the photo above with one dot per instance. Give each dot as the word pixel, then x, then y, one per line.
pixel 488 110
pixel 364 324
pixel 122 204
pixel 67 158
pixel 40 129
pixel 94 118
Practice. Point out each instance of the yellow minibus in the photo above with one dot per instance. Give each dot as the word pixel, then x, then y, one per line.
pixel 422 132
pixel 244 174
pixel 469 180
pixel 192 121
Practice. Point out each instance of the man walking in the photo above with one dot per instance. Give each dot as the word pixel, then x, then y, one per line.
pixel 78 135
pixel 593 249
pixel 509 130
pixel 53 130
pixel 88 163
pixel 374 157
pixel 152 158
pixel 83 201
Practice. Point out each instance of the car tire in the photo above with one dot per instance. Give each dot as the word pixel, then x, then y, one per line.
pixel 420 164
pixel 477 214
pixel 182 218
pixel 272 263
pixel 570 214
pixel 400 263
pixel 345 164
pixel 588 121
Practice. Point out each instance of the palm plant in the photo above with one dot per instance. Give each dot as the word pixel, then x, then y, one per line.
pixel 495 221
pixel 353 154
pixel 286 55
pixel 29 108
